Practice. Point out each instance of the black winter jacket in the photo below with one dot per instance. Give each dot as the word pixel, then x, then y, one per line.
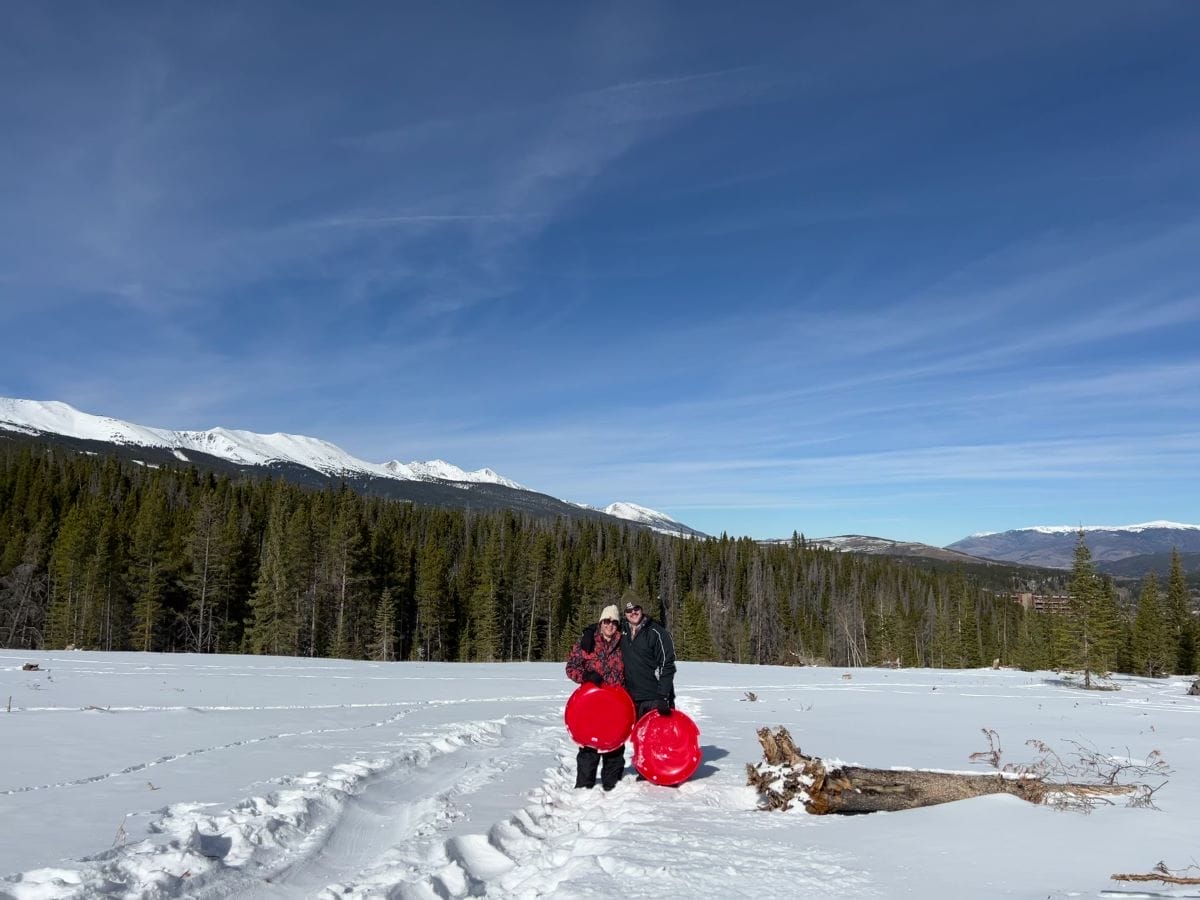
pixel 649 661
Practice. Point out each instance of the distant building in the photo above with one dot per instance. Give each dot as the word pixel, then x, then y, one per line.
pixel 1052 603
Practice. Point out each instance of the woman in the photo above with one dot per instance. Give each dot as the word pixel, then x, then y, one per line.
pixel 600 665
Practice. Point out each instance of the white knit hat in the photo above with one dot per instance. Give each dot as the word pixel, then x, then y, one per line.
pixel 610 612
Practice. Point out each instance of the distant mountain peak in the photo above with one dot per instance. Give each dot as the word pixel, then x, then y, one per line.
pixel 440 470
pixel 652 518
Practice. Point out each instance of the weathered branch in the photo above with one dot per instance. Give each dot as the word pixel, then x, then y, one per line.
pixel 788 776
pixel 1165 878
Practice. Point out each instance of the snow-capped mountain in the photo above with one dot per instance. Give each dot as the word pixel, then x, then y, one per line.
pixel 440 470
pixel 241 447
pixel 651 518
pixel 306 459
pixel 1053 546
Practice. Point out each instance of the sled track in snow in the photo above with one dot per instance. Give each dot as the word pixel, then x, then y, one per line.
pixel 200 751
pixel 563 841
pixel 476 808
pixel 308 828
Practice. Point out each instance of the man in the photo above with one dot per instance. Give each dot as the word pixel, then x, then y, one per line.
pixel 649 656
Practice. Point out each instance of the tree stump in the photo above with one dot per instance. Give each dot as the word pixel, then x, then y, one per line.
pixel 788 776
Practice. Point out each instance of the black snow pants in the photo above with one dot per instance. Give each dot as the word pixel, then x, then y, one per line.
pixel 588 760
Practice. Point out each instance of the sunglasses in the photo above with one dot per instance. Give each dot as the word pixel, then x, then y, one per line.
pixel 633 609
pixel 609 622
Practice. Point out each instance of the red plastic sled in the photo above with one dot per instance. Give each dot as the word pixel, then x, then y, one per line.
pixel 666 749
pixel 599 717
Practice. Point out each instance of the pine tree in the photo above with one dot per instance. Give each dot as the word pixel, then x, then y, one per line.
pixel 1153 646
pixel 1179 617
pixel 1035 635
pixel 538 579
pixel 112 601
pixel 147 573
pixel 434 614
pixel 383 645
pixel 969 638
pixel 483 643
pixel 345 552
pixel 69 565
pixel 1092 621
pixel 694 639
pixel 273 625
pixel 208 559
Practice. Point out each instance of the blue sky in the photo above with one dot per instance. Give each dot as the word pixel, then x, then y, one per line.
pixel 913 270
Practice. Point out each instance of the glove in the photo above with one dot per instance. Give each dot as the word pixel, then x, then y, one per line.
pixel 593 678
pixel 663 707
pixel 587 640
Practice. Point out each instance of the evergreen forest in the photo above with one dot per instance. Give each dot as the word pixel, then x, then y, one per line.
pixel 99 553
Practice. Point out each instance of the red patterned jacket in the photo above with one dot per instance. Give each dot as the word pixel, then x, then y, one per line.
pixel 607 660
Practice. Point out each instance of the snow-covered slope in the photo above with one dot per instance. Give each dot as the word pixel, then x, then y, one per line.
pixel 651 518
pixel 175 775
pixel 440 470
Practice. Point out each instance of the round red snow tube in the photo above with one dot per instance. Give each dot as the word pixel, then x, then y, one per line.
pixel 666 749
pixel 599 717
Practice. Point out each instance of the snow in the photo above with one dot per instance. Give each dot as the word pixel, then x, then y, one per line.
pixel 242 447
pixel 440 470
pixel 152 775
pixel 643 515
pixel 1074 529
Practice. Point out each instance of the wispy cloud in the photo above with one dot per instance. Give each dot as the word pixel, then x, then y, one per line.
pixel 827 259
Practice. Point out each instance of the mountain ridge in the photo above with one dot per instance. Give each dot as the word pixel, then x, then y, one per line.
pixel 313 461
pixel 291 454
pixel 1054 546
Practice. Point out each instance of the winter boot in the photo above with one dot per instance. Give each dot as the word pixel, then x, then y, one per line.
pixel 613 768
pixel 586 763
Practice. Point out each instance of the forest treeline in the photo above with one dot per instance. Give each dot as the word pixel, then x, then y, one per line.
pixel 98 553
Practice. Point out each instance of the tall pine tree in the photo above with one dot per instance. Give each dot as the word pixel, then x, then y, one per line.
pixel 1153 645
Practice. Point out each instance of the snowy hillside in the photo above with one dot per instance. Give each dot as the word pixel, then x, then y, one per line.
pixel 652 518
pixel 143 775
pixel 861 543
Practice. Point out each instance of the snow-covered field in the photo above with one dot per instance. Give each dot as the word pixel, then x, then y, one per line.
pixel 129 774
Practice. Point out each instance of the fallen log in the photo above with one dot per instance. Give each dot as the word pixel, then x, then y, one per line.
pixel 788 776
pixel 1164 877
